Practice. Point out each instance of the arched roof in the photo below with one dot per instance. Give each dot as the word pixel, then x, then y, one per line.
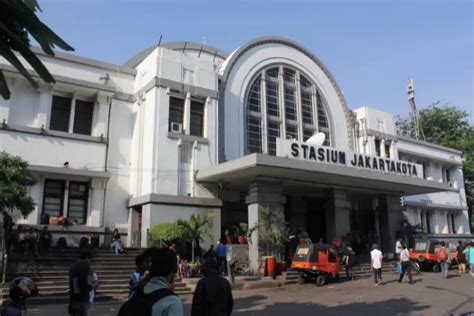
pixel 139 57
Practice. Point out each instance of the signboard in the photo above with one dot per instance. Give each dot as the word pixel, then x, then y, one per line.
pixel 322 154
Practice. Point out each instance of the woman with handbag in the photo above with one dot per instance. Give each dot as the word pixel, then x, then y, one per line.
pixel 405 264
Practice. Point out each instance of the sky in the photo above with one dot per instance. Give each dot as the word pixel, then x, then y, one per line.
pixel 370 46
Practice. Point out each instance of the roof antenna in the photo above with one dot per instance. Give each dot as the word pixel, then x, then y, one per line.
pixel 413 110
pixel 159 42
pixel 200 51
pixel 215 54
pixel 184 47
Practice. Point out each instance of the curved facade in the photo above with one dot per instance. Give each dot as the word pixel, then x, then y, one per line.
pixel 184 128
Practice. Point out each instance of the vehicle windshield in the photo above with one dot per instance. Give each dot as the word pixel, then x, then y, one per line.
pixel 421 246
pixel 301 253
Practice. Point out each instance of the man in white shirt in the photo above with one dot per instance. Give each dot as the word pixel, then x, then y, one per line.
pixel 398 247
pixel 406 264
pixel 376 260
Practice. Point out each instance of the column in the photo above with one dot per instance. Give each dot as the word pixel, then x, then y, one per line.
pixel 391 218
pixel 187 114
pixel 44 106
pixel 4 109
pixel 66 198
pixel 262 197
pixel 338 216
pixel 382 148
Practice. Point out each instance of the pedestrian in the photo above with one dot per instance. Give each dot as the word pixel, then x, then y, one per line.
pixel 137 280
pixel 210 253
pixel 443 259
pixel 231 260
pixel 349 261
pixel 31 241
pixel 116 243
pixel 163 271
pixel 20 240
pixel 79 287
pixel 8 230
pixel 20 290
pixel 45 240
pixel 398 248
pixel 469 252
pixel 405 263
pixel 213 294
pixel 461 258
pixel 221 254
pixel 376 260
pixel 93 281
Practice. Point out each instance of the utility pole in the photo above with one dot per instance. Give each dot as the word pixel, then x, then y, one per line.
pixel 412 106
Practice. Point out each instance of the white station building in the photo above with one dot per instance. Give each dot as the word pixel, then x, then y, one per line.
pixel 185 128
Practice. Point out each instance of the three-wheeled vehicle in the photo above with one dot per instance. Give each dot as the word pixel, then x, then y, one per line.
pixel 318 262
pixel 425 253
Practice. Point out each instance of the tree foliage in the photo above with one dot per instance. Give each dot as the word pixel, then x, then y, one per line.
pixel 167 232
pixel 196 228
pixel 14 182
pixel 447 126
pixel 18 21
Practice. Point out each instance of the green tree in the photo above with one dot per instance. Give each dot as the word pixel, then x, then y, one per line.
pixel 14 182
pixel 447 126
pixel 167 232
pixel 196 228
pixel 18 21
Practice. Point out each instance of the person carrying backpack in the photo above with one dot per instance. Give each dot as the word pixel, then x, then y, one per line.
pixel 443 259
pixel 213 294
pixel 157 299
pixel 461 258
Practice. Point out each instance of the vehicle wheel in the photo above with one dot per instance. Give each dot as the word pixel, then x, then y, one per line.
pixel 436 268
pixel 320 280
pixel 301 280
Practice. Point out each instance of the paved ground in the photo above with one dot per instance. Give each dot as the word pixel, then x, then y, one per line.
pixel 430 295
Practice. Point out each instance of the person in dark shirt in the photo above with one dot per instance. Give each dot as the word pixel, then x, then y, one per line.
pixel 79 286
pixel 45 240
pixel 213 294
pixel 8 230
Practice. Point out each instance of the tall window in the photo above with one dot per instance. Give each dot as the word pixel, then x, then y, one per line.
pixel 61 113
pixel 77 202
pixel 83 117
pixel 53 195
pixel 452 217
pixel 291 104
pixel 197 118
pixel 377 147
pixel 387 149
pixel 254 118
pixel 175 118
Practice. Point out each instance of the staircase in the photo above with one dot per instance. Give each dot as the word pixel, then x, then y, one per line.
pixel 50 272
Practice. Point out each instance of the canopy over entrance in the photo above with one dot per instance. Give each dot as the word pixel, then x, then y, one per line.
pixel 300 175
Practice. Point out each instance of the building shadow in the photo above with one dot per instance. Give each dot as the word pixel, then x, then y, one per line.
pixel 400 306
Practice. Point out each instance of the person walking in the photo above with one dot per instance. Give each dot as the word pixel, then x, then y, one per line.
pixel 8 230
pixel 213 294
pixel 210 253
pixel 79 287
pixel 231 260
pixel 376 261
pixel 444 259
pixel 469 252
pixel 406 264
pixel 221 260
pixel 398 248
pixel 461 258
pixel 349 261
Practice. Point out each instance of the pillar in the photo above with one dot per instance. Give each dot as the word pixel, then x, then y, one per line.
pixel 262 195
pixel 391 220
pixel 338 216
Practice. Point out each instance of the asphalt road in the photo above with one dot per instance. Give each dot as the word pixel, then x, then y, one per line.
pixel 430 295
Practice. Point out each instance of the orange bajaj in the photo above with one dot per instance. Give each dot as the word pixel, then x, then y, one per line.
pixel 316 262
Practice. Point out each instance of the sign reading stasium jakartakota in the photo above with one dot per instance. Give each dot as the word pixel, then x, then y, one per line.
pixel 345 158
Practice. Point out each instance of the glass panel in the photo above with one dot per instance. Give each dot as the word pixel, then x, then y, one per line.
pixel 272 73
pixel 53 197
pixel 272 99
pixel 176 111
pixel 289 75
pixel 307 133
pixel 377 147
pixel 322 118
pixel 327 140
pixel 273 133
pixel 60 112
pixel 253 103
pixel 254 135
pixel 290 104
pixel 304 82
pixel 197 118
pixel 83 117
pixel 291 132
pixel 77 203
pixel 307 107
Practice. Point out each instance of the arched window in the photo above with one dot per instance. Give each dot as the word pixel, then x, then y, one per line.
pixel 283 102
